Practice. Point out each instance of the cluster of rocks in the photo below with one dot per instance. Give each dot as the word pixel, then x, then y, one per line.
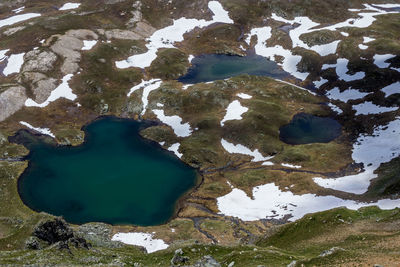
pixel 55 232
pixel 180 260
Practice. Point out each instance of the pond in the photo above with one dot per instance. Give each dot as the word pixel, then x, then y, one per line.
pixel 306 128
pixel 213 67
pixel 115 177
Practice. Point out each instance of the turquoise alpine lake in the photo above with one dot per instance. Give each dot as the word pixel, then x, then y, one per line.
pixel 306 128
pixel 211 67
pixel 115 176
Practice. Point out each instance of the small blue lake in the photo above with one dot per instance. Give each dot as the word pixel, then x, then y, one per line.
pixel 211 67
pixel 306 128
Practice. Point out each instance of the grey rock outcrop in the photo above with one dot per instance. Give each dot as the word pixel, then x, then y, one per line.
pixel 43 88
pixel 12 100
pixel 207 261
pixel 36 61
pixel 69 45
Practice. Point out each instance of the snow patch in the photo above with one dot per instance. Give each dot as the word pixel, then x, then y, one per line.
pixel 346 95
pixel 241 149
pixel 234 112
pixel 45 131
pixel 269 202
pixel 180 129
pixel 244 96
pixel 141 239
pixel 17 18
pixel 69 6
pixel 166 37
pixel 368 107
pixel 370 150
pixel 14 64
pixel 341 70
pixel 87 45
pixel 62 91
pixel 175 148
pixel 394 88
pixel 380 60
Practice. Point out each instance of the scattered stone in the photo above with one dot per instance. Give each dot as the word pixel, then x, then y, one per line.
pixel 292 264
pixel 330 251
pixel 33 243
pixel 122 34
pixel 207 261
pixel 12 100
pixel 178 258
pixel 231 264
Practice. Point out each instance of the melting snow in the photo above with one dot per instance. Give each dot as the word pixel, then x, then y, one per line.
pixel 68 6
pixel 394 88
pixel 147 87
pixel 180 129
pixel 269 202
pixel 14 64
pixel 45 131
pixel 380 60
pixel 241 149
pixel 166 37
pixel 341 70
pixel 17 18
pixel 244 96
pixel 290 165
pixel 371 150
pixel 87 45
pixel 141 239
pixel 175 148
pixel 370 108
pixel 234 112
pixel 62 91
pixel 346 95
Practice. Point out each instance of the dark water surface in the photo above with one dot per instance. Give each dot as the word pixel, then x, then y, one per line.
pixel 115 177
pixel 306 128
pixel 213 67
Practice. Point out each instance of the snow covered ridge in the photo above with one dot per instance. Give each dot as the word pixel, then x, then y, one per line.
pixel 166 37
pixel 269 202
pixel 62 91
pixel 17 18
pixel 45 131
pixel 371 150
pixel 141 239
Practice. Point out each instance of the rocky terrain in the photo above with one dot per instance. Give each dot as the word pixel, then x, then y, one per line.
pixel 258 201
